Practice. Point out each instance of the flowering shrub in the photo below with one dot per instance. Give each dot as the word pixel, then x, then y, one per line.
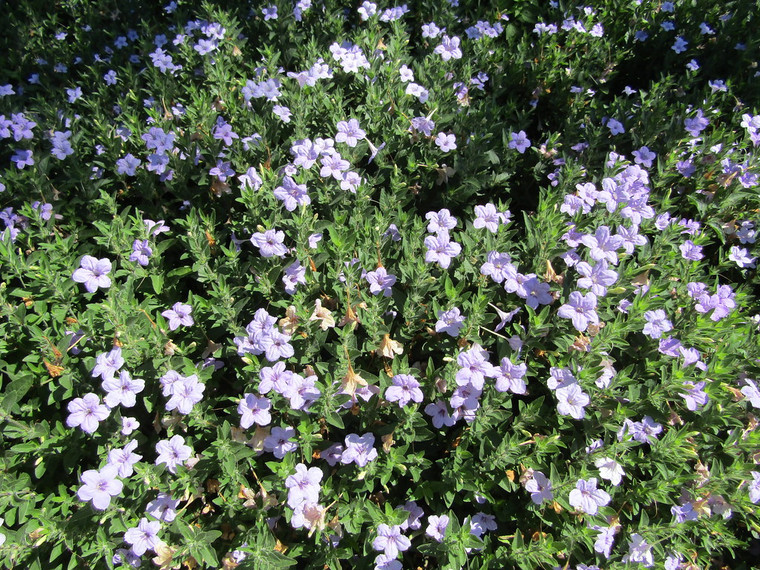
pixel 381 286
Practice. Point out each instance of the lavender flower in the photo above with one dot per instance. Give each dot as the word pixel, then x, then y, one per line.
pixel 100 486
pixel 540 488
pixel 445 142
pixel 292 194
pixel 185 393
pixel 93 273
pixel 580 309
pixel 405 388
pixel 390 540
pixel 277 441
pixel 437 526
pixel 178 315
pixel 86 412
pixel 639 551
pixel 359 449
pixel 124 459
pixel 380 281
pixel 122 391
pixel 487 217
pixel 587 498
pixel 657 323
pixel 303 486
pixel 253 409
pixel 173 452
pixel 349 132
pixel 449 48
pixel 440 414
pixel 441 249
pixel 163 508
pixel 108 363
pixel 144 536
pixel 519 141
pixel 270 243
pixel 141 252
pixel 450 322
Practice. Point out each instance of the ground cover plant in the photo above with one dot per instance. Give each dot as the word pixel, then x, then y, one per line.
pixel 366 285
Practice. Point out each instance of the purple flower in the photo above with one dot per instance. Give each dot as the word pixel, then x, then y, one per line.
pixel 587 498
pixel 580 309
pixel 754 487
pixel 695 396
pixel 270 243
pixel 499 267
pixel 254 410
pixel 751 392
pixel 302 392
pixel 185 393
pixel 282 112
pixel 691 251
pixel 178 315
pixel 741 257
pixel 86 412
pixel 173 452
pixel 276 345
pixel 441 221
pixel 61 145
pixel 450 322
pixel 107 363
pixel 657 323
pixel 605 539
pixel 639 551
pixel 603 245
pixel 359 449
pixel 303 486
pixel 122 391
pixel 615 127
pixel 440 414
pixel 390 540
pixel 270 12
pixel 644 156
pixel 404 388
pixel 446 142
pixel 144 536
pixel 610 470
pixel 540 488
pixel 596 278
pixel 449 48
pixel 437 526
pixel 93 273
pixel 519 141
pixel 349 132
pixel 141 252
pixel 571 401
pixel 123 459
pixel 128 425
pixel 22 158
pixel 163 508
pixel 509 376
pixel 697 124
pixel 380 281
pixel 474 367
pixel 292 194
pixel 100 486
pixel 487 217
pixel 441 250
pixel 278 442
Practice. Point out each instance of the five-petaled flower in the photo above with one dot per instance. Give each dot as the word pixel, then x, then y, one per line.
pixel 93 273
pixel 178 315
pixel 100 486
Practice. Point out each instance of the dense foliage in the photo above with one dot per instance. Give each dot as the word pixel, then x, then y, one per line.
pixel 435 285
